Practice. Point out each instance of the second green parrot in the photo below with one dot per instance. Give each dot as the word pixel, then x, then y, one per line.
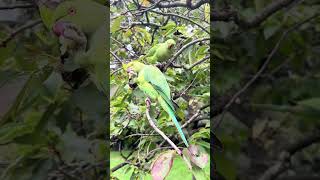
pixel 161 52
pixel 154 84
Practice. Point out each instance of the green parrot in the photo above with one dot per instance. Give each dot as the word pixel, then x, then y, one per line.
pixel 154 84
pixel 161 52
pixel 90 18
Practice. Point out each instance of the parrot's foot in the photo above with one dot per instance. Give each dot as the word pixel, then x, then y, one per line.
pixel 75 78
pixel 63 57
pixel 132 84
pixel 160 66
pixel 148 102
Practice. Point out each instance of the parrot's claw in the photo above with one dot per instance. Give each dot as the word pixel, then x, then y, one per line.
pixel 160 66
pixel 148 102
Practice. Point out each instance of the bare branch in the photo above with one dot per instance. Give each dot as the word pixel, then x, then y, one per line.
pixel 119 166
pixel 182 17
pixel 24 27
pixel 139 134
pixel 132 24
pixel 199 62
pixel 230 15
pixel 116 57
pixel 187 4
pixel 17 6
pixel 275 170
pixel 182 49
pixel 195 116
pixel 158 130
pixel 263 67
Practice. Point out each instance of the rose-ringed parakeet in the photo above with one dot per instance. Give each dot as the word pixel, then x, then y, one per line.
pixel 154 84
pixel 90 18
pixel 160 52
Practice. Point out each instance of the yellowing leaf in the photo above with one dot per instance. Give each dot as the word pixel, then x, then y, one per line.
pixel 196 155
pixel 207 12
pixel 145 2
pixel 162 165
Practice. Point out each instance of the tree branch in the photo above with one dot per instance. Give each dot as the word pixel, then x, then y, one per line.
pixel 231 15
pixel 119 166
pixel 158 130
pixel 195 115
pixel 182 49
pixel 116 57
pixel 24 27
pixel 263 67
pixel 17 6
pixel 275 170
pixel 187 4
pixel 182 17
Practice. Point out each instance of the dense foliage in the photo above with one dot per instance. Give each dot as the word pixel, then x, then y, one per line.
pixel 267 67
pixel 48 130
pixel 135 28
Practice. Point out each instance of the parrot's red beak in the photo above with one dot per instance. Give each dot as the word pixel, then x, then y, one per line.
pixel 170 46
pixel 131 73
pixel 58 28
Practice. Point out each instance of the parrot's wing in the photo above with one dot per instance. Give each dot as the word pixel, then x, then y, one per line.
pixel 152 50
pixel 162 94
pixel 155 77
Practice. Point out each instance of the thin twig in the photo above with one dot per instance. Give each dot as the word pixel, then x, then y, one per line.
pixel 116 57
pixel 24 27
pixel 165 4
pixel 232 15
pixel 284 157
pixel 148 9
pixel 182 49
pixel 182 17
pixel 139 134
pixel 199 62
pixel 195 116
pixel 158 130
pixel 119 166
pixel 263 67
pixel 186 89
pixel 17 6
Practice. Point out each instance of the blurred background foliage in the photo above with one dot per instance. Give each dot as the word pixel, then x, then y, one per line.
pixel 266 88
pixel 47 129
pixel 135 28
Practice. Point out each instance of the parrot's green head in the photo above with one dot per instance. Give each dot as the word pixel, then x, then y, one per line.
pixel 86 14
pixel 133 68
pixel 171 43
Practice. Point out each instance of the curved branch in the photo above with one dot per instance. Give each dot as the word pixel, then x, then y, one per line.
pixel 182 17
pixel 182 49
pixel 158 130
pixel 263 67
pixel 17 6
pixel 264 14
pixel 275 170
pixel 186 4
pixel 141 24
pixel 195 116
pixel 11 36
pixel 116 57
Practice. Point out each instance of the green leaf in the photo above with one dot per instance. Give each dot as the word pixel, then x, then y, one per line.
pixel 225 166
pixel 30 87
pixel 46 15
pixel 116 24
pixel 312 103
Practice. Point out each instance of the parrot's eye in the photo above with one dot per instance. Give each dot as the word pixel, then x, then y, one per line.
pixel 72 11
